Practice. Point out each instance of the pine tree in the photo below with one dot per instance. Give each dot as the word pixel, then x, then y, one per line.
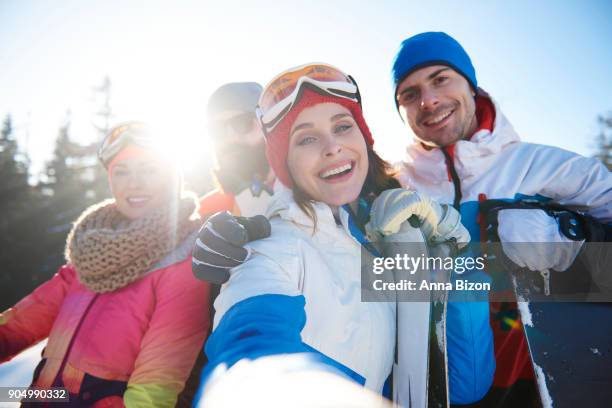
pixel 604 140
pixel 13 165
pixel 58 172
pixel 18 256
pixel 68 187
pixel 73 180
pixel 37 219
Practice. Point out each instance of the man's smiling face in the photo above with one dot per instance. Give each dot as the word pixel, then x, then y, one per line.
pixel 438 104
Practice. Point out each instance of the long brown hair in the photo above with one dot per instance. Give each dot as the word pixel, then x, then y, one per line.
pixel 380 177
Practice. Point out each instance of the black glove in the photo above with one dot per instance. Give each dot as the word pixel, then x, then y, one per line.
pixel 220 244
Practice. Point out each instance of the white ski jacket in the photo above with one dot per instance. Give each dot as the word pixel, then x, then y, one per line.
pixel 501 166
pixel 320 269
pixel 497 165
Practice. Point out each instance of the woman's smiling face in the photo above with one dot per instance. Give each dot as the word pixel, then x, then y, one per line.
pixel 141 185
pixel 327 156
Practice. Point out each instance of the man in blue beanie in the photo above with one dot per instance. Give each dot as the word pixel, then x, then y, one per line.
pixel 464 151
pixel 439 61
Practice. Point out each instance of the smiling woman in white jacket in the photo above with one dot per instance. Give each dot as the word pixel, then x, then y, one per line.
pixel 318 276
pixel 300 291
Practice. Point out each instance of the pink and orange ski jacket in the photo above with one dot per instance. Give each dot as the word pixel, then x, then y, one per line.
pixel 134 346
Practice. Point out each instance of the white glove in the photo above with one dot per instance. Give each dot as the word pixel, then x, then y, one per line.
pixel 532 239
pixel 439 223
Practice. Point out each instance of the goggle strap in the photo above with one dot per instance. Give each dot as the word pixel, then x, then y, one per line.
pixel 280 116
pixel 357 87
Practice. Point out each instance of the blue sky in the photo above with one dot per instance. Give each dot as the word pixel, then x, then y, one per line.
pixel 547 63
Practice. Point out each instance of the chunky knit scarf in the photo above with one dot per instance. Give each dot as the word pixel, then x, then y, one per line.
pixel 109 251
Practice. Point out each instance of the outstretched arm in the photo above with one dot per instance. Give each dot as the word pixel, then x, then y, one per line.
pixel 260 312
pixel 30 320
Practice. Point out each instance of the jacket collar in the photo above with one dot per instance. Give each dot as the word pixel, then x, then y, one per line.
pixel 284 206
pixel 430 164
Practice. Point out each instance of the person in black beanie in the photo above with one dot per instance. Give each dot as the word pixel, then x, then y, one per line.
pixel 241 172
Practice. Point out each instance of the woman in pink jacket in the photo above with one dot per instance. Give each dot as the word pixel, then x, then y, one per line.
pixel 125 317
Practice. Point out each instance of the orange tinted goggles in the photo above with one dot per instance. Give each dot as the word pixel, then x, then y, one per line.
pixel 120 136
pixel 285 89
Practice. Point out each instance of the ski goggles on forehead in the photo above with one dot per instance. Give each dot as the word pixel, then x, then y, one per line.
pixel 121 136
pixel 284 91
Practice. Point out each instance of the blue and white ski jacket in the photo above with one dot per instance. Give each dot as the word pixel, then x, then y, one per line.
pixel 497 165
pixel 301 292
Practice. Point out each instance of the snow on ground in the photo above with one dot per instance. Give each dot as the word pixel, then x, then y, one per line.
pixel 18 371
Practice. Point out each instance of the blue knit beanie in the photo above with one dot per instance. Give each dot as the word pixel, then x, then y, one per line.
pixel 431 48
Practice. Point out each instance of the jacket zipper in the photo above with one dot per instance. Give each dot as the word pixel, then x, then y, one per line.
pixel 57 381
pixel 454 178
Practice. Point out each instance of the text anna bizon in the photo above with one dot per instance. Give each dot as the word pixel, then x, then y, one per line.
pixel 425 285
